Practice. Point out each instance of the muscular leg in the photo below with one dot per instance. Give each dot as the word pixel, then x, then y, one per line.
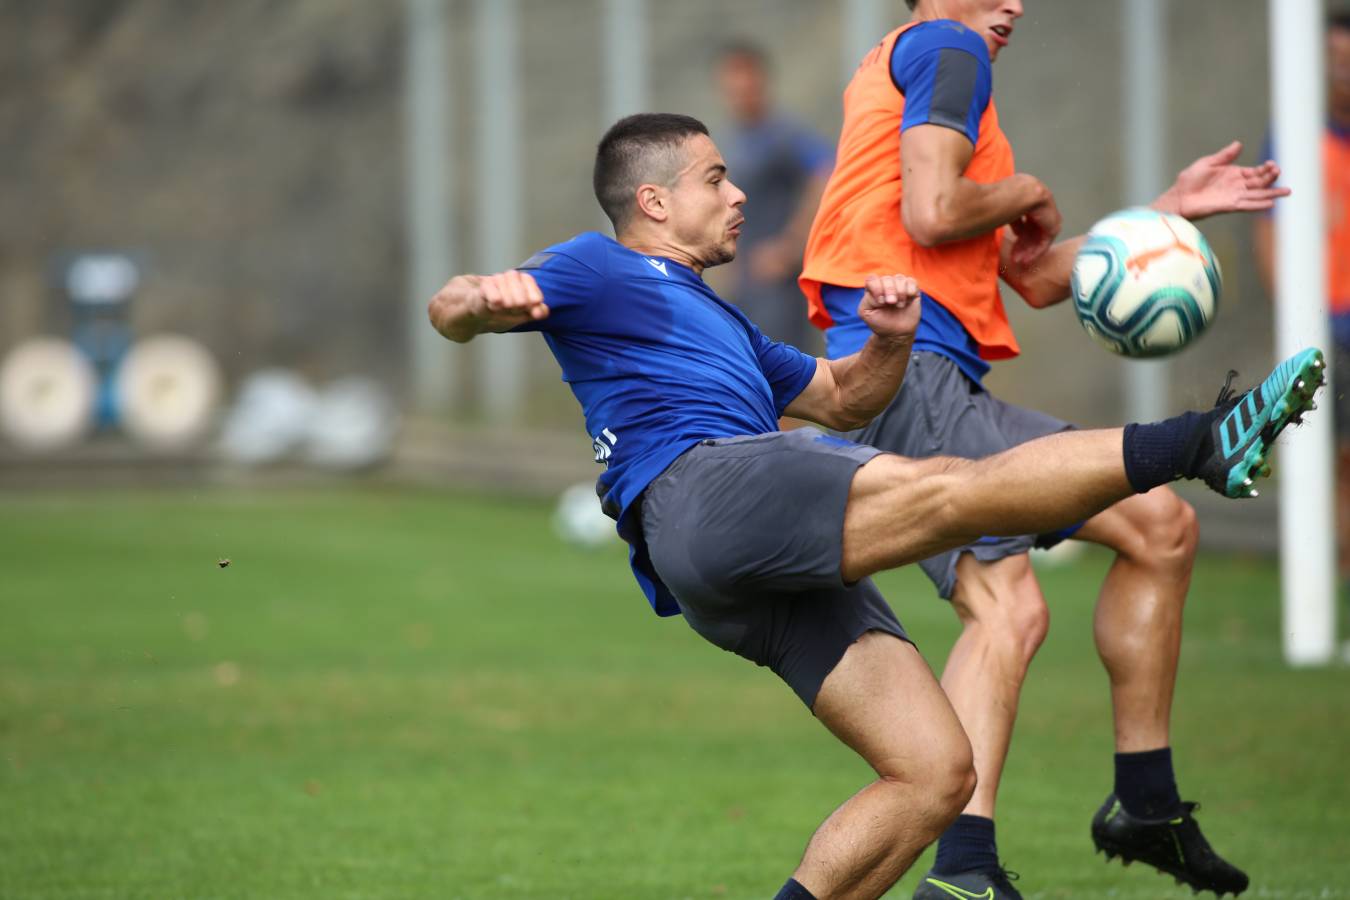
pixel 1137 624
pixel 1004 619
pixel 882 701
pixel 903 510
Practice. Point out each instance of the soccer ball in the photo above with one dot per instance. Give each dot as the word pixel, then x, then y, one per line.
pixel 1145 283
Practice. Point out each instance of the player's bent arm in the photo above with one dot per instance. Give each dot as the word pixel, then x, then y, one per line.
pixel 940 204
pixel 469 305
pixel 845 394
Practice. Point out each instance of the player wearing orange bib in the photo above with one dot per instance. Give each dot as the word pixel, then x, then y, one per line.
pixel 925 184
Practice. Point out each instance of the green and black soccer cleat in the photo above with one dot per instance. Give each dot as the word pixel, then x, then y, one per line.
pixel 1245 426
pixel 1172 845
pixel 968 886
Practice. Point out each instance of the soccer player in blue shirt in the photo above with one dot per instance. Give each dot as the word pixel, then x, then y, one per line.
pixel 765 541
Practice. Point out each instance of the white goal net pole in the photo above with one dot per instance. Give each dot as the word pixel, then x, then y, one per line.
pixel 429 198
pixel 864 24
pixel 1307 480
pixel 1144 86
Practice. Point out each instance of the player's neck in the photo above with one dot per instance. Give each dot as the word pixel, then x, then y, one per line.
pixel 649 245
pixel 928 12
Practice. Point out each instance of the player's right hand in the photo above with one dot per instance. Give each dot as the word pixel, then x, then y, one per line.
pixel 1036 231
pixel 510 298
pixel 891 306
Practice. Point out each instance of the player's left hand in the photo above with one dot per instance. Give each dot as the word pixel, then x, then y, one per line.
pixel 1213 184
pixel 890 306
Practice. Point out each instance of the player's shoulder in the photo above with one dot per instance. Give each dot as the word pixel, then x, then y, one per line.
pixel 586 253
pixel 942 34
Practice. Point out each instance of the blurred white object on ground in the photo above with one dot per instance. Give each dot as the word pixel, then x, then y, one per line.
pixel 353 425
pixel 578 519
pixel 47 394
pixel 168 389
pixel 270 419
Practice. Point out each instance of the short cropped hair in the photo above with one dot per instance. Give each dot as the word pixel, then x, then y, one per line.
pixel 639 149
pixel 1339 20
pixel 911 4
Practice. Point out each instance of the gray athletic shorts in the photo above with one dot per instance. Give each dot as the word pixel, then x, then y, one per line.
pixel 941 412
pixel 747 533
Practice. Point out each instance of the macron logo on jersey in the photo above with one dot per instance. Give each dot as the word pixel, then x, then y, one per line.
pixel 658 265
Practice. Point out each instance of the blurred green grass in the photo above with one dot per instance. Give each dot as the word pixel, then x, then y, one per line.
pixel 394 694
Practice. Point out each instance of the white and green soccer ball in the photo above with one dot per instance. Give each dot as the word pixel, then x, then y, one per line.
pixel 1145 283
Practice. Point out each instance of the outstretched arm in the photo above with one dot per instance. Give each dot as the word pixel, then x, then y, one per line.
pixel 470 305
pixel 1209 186
pixel 847 393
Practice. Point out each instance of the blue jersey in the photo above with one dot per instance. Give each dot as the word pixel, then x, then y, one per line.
pixel 943 69
pixel 658 362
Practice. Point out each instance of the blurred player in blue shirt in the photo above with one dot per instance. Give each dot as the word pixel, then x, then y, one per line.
pixel 782 165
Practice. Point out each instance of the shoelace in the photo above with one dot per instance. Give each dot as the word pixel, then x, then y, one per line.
pixel 1007 874
pixel 1226 392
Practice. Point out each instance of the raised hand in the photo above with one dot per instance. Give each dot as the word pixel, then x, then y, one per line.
pixel 890 306
pixel 1213 184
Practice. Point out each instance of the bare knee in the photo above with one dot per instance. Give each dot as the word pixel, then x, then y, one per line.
pixel 959 784
pixel 944 779
pixel 954 783
pixel 1003 600
pixel 1161 530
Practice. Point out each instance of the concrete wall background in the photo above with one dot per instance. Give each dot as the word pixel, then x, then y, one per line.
pixel 251 151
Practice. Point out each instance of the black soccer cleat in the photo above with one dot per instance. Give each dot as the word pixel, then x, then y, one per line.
pixel 1243 428
pixel 968 886
pixel 1171 845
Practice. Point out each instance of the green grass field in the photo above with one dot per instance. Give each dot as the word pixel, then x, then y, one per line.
pixel 397 695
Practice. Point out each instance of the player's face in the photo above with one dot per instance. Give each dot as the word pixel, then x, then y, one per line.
pixel 1338 72
pixel 705 210
pixel 991 19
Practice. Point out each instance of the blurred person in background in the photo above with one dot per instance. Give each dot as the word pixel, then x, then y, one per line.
pixel 765 540
pixel 1336 193
pixel 924 183
pixel 782 165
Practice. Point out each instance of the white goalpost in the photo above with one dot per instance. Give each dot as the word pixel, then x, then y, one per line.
pixel 1307 479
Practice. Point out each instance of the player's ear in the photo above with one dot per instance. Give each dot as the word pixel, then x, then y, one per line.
pixel 653 201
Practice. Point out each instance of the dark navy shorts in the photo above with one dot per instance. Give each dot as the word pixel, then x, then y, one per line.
pixel 747 533
pixel 940 412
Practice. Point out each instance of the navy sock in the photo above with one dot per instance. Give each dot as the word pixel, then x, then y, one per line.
pixel 794 891
pixel 1146 785
pixel 967 845
pixel 1165 451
